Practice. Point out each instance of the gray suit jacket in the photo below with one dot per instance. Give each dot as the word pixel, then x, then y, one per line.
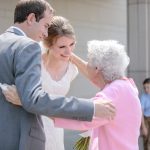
pixel 21 127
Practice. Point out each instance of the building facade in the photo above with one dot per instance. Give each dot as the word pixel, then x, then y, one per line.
pixel 138 39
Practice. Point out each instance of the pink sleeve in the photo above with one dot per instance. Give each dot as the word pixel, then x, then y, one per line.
pixel 79 125
pixel 83 125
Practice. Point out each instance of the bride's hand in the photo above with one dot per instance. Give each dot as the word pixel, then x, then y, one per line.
pixel 11 94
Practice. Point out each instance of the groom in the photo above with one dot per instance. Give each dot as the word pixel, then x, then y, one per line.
pixel 20 63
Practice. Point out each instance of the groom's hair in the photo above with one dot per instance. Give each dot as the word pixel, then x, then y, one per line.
pixel 26 7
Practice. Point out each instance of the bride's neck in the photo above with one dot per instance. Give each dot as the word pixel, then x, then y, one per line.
pixel 53 63
pixel 54 67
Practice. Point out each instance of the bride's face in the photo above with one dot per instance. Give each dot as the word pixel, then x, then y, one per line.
pixel 63 47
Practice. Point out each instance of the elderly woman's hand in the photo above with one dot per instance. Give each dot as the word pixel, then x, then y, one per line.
pixel 11 94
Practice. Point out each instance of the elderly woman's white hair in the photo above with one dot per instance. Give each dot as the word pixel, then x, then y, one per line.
pixel 108 56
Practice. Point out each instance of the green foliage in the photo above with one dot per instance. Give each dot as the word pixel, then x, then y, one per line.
pixel 82 143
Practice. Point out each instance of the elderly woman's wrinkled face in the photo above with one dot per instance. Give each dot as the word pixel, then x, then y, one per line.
pixel 91 71
pixel 95 76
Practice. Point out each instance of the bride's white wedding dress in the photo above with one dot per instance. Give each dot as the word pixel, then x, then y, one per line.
pixel 55 136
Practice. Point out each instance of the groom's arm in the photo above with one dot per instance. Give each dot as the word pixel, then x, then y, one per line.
pixel 27 66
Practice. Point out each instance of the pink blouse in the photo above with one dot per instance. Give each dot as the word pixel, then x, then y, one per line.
pixel 121 133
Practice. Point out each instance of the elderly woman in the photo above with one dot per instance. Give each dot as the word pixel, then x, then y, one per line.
pixel 107 63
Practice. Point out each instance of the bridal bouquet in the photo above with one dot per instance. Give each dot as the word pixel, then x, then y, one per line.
pixel 82 143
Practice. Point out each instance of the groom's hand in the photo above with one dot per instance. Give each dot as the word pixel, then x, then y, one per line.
pixel 104 109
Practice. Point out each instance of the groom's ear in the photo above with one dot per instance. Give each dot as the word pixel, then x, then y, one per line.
pixel 31 19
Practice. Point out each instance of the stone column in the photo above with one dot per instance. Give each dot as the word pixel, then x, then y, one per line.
pixel 138 40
